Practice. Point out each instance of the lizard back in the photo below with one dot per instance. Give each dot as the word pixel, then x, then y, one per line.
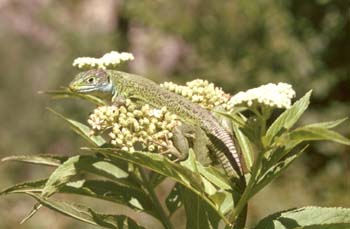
pixel 144 89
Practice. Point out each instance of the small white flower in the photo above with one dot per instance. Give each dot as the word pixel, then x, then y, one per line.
pixel 129 124
pixel 156 113
pixel 114 58
pixel 82 62
pixel 199 91
pixel 108 60
pixel 272 95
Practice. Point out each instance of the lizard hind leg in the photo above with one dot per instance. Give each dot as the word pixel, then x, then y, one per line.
pixel 177 148
pixel 170 151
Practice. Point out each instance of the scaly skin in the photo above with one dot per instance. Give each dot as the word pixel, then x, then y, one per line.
pixel 115 86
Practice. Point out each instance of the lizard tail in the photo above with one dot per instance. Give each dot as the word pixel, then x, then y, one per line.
pixel 226 153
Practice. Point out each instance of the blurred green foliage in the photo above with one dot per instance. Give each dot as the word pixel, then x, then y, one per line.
pixel 235 44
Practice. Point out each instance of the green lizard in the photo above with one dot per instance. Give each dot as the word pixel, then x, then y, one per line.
pixel 115 86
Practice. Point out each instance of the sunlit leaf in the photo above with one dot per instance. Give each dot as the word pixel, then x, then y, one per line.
pixel 115 221
pixel 308 218
pixel 215 177
pixel 160 164
pixel 41 159
pixel 235 117
pixel 134 198
pixel 288 118
pixel 67 94
pixel 157 163
pixel 76 165
pixel 314 133
pixel 85 214
pixel 224 200
pixel 328 125
pixel 60 176
pixel 274 171
pixel 290 140
pixel 81 129
pixel 29 186
pixel 223 196
pixel 93 164
pixel 116 170
pixel 245 146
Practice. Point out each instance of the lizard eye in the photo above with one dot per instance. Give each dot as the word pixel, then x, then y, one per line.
pixel 91 80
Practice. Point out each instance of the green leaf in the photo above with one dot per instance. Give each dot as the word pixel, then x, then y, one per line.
pixel 288 118
pixel 235 116
pixel 212 215
pixel 326 226
pixel 314 133
pixel 85 214
pixel 215 177
pixel 223 197
pixel 66 94
pixel 115 221
pixel 185 174
pixel 106 167
pixel 30 186
pixel 94 164
pixel 43 159
pixel 196 216
pixel 328 125
pixel 116 170
pixel 193 165
pixel 134 198
pixel 81 129
pixel 245 147
pixel 156 163
pixel 224 200
pixel 174 199
pixel 307 218
pixel 60 176
pixel 76 165
pixel 274 171
pixel 199 213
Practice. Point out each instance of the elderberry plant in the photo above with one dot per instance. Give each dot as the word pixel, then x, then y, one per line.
pixel 128 153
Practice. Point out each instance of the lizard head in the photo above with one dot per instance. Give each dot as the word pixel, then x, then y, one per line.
pixel 94 82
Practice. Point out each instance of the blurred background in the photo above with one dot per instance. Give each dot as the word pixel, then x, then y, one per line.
pixel 236 44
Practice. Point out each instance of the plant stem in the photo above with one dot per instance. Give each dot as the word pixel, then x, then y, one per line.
pixel 262 116
pixel 246 194
pixel 163 217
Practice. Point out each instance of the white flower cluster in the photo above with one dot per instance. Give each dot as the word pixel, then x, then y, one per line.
pixel 109 60
pixel 103 118
pixel 128 126
pixel 272 95
pixel 201 92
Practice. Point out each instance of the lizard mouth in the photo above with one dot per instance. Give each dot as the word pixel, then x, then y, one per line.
pixel 83 89
pixel 92 88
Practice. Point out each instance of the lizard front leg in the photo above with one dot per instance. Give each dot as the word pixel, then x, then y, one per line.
pixel 118 101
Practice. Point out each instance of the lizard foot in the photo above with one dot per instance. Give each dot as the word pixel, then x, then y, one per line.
pixel 170 151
